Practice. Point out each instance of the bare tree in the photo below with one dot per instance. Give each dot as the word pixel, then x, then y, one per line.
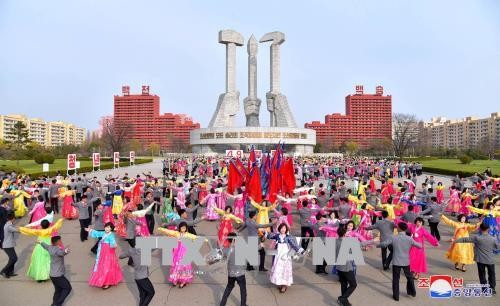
pixel 115 135
pixel 405 132
pixel 487 146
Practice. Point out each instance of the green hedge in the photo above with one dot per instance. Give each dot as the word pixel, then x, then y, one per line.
pixel 10 169
pixel 43 158
pixel 89 169
pixel 451 172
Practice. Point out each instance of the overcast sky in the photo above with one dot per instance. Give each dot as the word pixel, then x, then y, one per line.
pixel 64 60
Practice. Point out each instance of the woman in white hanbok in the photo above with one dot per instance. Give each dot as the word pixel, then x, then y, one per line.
pixel 282 271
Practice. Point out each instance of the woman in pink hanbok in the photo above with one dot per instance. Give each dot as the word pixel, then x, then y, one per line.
pixel 221 197
pixel 286 202
pixel 181 196
pixel 331 226
pixel 418 262
pixel 211 203
pixel 38 210
pixel 180 274
pixel 352 232
pixel 239 204
pixel 466 201
pixel 453 205
pixel 366 212
pixel 141 228
pixel 106 271
pixel 210 171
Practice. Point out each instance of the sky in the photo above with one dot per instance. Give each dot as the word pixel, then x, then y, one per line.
pixel 64 60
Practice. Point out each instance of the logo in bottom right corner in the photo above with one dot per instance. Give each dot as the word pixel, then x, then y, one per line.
pixel 441 286
pixel 445 287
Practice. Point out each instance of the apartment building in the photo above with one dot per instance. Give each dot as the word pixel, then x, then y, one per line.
pixel 463 133
pixel 45 133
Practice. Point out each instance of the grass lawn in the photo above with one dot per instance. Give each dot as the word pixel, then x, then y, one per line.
pixel 59 164
pixel 454 164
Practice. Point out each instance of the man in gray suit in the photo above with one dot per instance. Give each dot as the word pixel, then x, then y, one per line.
pixel 9 242
pixel 57 269
pixel 401 245
pixel 386 229
pixel 435 210
pixel 236 274
pixel 83 216
pixel 485 247
pixel 252 230
pixel 141 276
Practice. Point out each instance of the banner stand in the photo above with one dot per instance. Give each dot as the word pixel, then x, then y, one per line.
pixel 116 160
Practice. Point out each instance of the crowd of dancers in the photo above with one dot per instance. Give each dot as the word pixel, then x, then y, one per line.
pixel 376 202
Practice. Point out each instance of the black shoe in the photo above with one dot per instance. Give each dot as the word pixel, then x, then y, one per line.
pixel 262 269
pixel 4 275
pixel 343 302
pixel 396 298
pixel 250 268
pixel 12 275
pixel 386 268
pixel 412 295
pixel 494 292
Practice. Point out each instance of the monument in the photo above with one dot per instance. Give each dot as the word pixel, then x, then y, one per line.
pixel 277 105
pixel 222 135
pixel 229 102
pixel 252 103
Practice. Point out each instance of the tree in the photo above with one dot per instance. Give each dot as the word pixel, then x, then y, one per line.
pixel 380 147
pixel 487 146
pixel 115 135
pixel 20 138
pixel 135 145
pixel 317 148
pixel 405 132
pixel 350 147
pixel 154 147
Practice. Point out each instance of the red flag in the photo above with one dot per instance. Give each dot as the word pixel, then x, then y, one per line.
pixel 253 187
pixel 288 176
pixel 274 185
pixel 252 159
pixel 234 180
pixel 244 172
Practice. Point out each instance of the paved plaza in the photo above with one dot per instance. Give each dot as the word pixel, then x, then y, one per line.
pixel 374 285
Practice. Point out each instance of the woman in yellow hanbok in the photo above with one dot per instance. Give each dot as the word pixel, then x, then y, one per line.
pixel 460 253
pixel 39 267
pixel 19 207
pixel 263 214
pixel 117 201
pixel 362 191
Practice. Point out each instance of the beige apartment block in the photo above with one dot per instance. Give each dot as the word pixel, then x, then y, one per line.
pixel 463 133
pixel 45 133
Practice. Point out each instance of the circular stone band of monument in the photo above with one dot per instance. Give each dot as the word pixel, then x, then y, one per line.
pixel 210 140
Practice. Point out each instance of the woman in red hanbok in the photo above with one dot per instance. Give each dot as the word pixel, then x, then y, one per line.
pixel 68 210
pixel 226 225
pixel 440 193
